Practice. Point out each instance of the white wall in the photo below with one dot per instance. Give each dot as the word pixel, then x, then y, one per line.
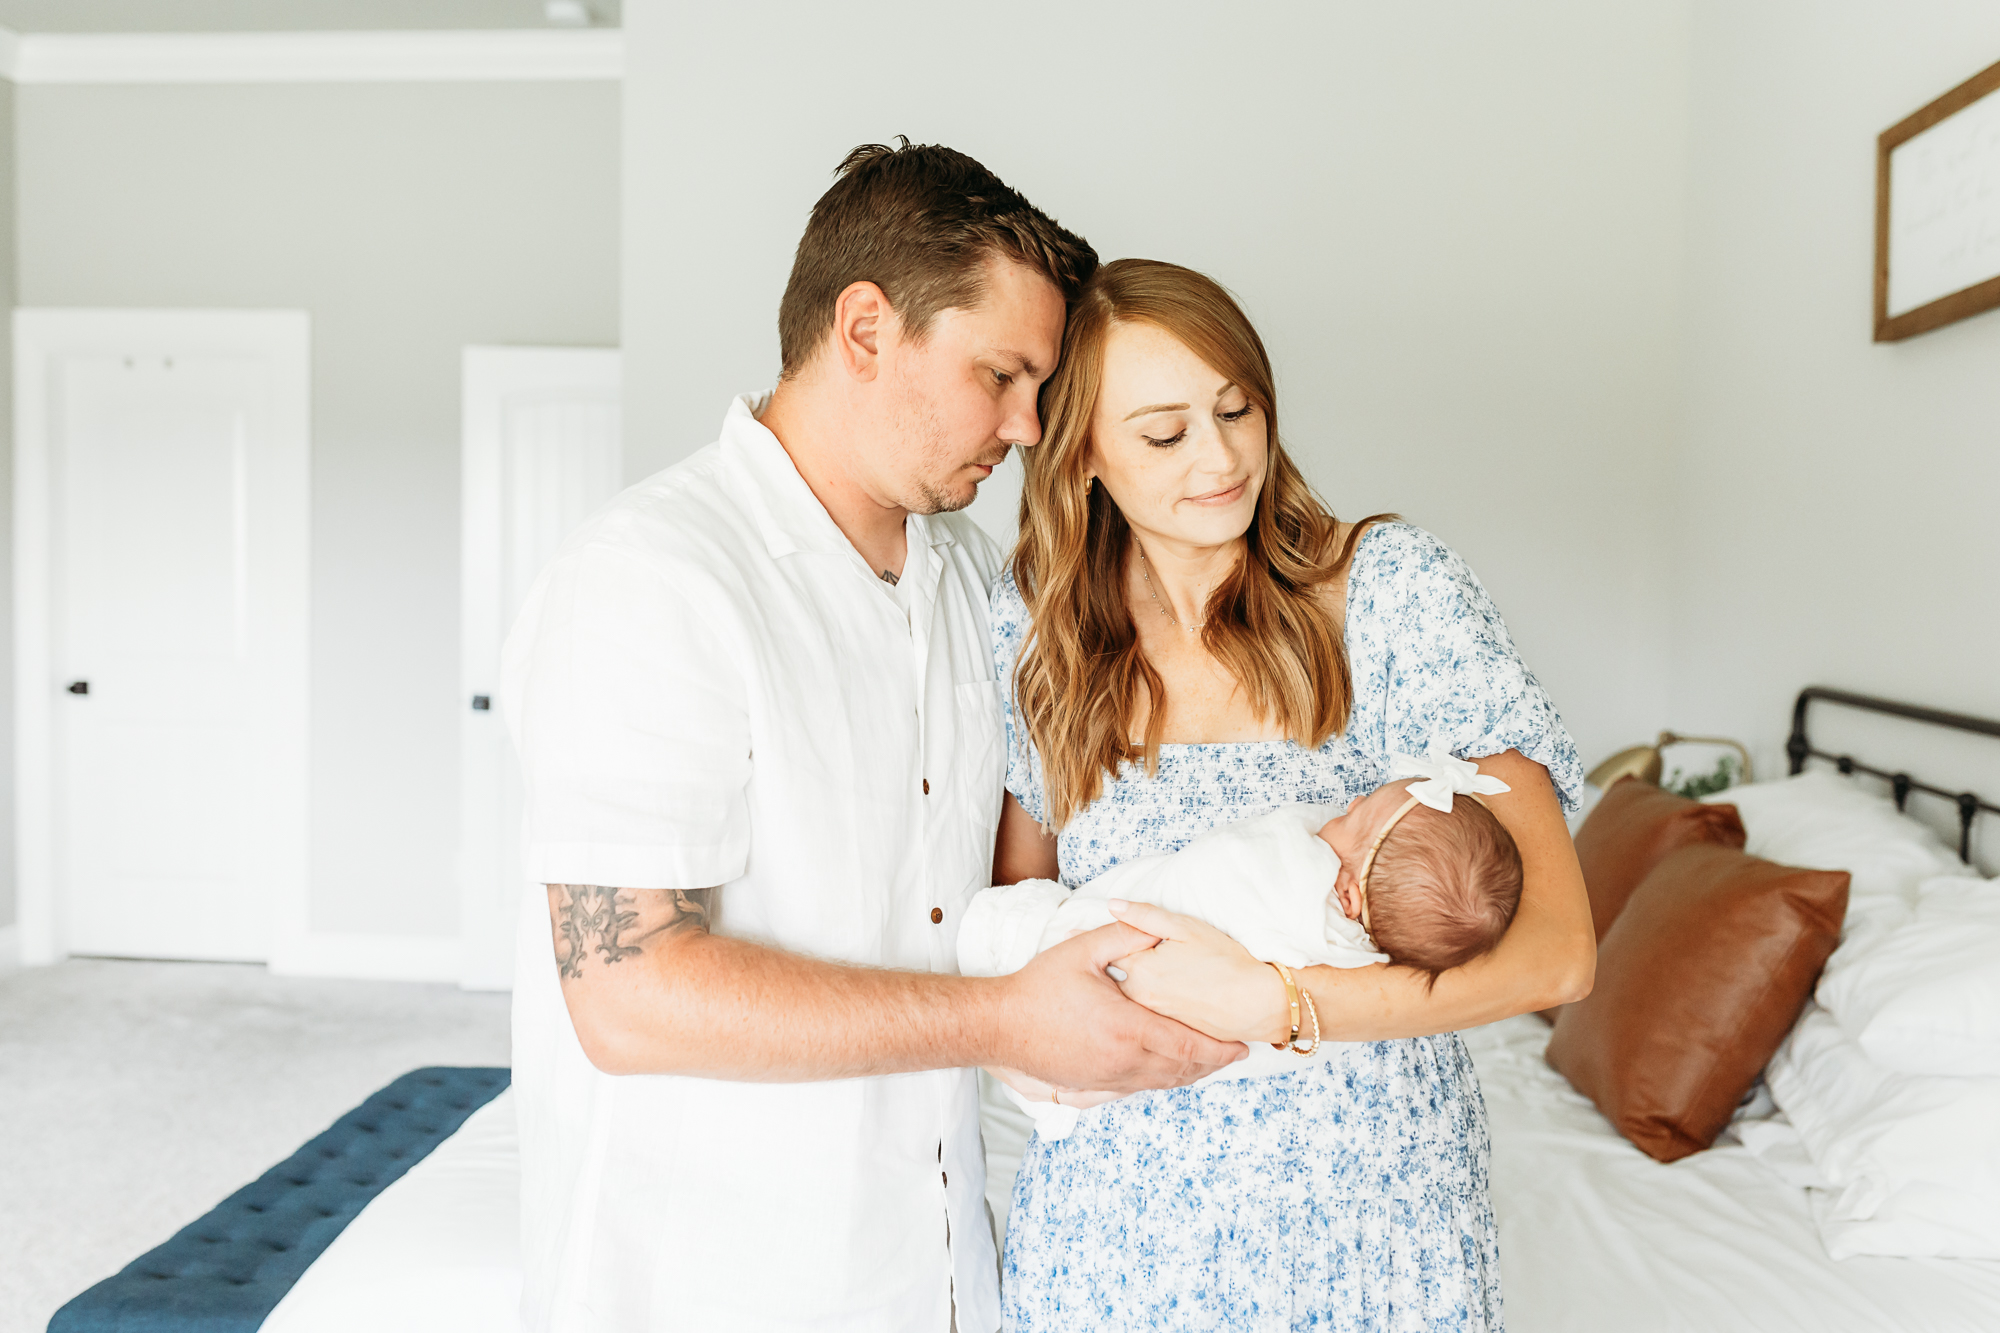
pixel 408 220
pixel 6 516
pixel 1840 499
pixel 1456 223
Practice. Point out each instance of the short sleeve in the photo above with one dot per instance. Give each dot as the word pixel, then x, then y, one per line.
pixel 632 728
pixel 1009 617
pixel 1444 662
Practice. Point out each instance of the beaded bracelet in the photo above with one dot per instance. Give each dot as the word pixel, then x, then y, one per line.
pixel 1312 1012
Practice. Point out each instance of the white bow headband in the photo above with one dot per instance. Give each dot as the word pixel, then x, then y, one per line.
pixel 1442 776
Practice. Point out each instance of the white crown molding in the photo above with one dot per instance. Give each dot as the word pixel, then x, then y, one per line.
pixel 475 55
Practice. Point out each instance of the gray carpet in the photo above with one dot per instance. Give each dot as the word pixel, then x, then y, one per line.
pixel 134 1096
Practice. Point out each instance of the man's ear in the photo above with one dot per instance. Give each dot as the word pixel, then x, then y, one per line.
pixel 861 315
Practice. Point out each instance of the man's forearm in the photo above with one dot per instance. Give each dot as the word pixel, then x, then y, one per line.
pixel 650 991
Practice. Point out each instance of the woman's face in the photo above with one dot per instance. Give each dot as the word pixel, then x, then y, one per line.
pixel 1180 449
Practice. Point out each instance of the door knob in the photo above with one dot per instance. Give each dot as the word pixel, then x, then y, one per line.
pixel 79 687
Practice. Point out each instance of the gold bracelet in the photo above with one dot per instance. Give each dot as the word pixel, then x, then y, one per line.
pixel 1292 998
pixel 1312 1012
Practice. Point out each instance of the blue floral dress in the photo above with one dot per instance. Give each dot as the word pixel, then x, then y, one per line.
pixel 1349 1194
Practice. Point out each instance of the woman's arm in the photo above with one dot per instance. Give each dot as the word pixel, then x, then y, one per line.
pixel 1200 976
pixel 1024 849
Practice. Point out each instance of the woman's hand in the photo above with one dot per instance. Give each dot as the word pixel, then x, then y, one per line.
pixel 1037 1091
pixel 1201 977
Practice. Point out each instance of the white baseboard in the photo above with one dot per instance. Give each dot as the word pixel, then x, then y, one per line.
pixel 370 957
pixel 353 957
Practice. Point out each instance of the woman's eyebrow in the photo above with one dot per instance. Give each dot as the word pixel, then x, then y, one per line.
pixel 1176 407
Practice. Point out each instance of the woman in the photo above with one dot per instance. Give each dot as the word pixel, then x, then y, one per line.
pixel 1189 638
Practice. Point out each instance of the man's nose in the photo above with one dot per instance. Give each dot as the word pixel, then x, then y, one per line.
pixel 1023 426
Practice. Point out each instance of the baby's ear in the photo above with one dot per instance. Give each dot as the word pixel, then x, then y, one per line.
pixel 1347 891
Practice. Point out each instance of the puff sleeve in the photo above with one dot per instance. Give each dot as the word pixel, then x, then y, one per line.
pixel 1434 658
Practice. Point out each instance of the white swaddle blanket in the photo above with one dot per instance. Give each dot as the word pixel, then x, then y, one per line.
pixel 1266 882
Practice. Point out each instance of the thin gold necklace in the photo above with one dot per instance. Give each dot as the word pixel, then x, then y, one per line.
pixel 1145 572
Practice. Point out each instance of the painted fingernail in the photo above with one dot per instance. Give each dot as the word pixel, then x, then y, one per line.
pixel 1115 973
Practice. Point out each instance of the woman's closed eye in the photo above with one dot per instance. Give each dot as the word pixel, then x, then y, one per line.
pixel 1170 442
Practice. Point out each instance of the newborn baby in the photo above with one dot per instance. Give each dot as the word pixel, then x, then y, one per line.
pixel 1434 883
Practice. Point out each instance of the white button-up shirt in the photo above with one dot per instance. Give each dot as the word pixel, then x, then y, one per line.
pixel 709 687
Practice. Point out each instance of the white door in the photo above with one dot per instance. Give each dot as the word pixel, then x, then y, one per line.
pixel 172 452
pixel 541 454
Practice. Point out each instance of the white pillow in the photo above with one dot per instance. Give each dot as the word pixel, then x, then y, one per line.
pixel 1822 821
pixel 1911 1163
pixel 1924 996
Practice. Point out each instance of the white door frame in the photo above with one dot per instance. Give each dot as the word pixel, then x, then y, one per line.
pixel 282 338
pixel 491 376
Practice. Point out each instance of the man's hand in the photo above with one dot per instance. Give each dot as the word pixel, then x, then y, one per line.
pixel 1072 1028
pixel 1037 1091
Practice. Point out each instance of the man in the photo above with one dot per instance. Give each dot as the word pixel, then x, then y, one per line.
pixel 756 709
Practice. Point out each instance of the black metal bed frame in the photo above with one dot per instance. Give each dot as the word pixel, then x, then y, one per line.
pixel 1900 784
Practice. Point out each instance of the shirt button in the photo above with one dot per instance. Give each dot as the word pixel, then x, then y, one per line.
pixel 937 916
pixel 947 1178
pixel 927 786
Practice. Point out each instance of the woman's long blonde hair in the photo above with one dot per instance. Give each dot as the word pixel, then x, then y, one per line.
pixel 1081 678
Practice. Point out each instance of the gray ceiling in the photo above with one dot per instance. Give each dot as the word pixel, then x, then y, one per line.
pixel 280 15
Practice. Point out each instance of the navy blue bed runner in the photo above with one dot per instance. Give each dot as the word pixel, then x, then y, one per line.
pixel 228 1270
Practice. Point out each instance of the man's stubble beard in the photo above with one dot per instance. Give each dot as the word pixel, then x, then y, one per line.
pixel 934 458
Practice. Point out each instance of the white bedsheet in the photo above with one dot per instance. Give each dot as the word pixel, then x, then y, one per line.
pixel 1595 1237
pixel 438 1251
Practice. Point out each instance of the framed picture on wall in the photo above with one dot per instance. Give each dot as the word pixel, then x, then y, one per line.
pixel 1937 211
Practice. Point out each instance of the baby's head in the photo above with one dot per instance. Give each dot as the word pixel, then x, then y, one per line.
pixel 1441 889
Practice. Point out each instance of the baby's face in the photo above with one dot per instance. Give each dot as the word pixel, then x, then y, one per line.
pixel 1353 833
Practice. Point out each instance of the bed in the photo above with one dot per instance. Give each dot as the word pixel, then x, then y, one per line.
pixel 1595 1236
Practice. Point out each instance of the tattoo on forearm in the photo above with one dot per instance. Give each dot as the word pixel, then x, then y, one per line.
pixel 616 924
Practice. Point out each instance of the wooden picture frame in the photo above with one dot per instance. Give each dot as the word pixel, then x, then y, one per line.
pixel 1943 165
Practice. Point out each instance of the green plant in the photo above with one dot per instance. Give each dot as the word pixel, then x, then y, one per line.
pixel 1705 784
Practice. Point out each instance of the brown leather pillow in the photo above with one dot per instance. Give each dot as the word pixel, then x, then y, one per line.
pixel 1629 832
pixel 1632 830
pixel 1699 979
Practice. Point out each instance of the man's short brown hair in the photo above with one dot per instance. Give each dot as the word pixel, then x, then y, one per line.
pixel 919 221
